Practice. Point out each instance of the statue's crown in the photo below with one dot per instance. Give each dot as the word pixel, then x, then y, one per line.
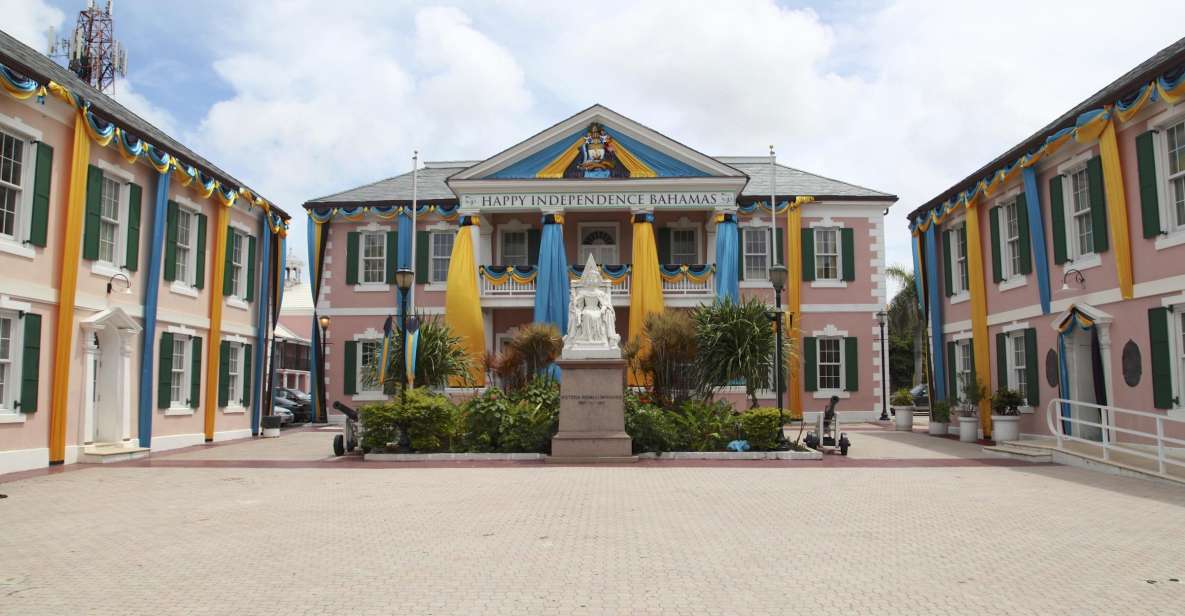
pixel 591 276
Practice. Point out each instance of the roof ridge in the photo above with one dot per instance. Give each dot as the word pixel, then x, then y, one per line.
pixel 831 179
pixel 359 187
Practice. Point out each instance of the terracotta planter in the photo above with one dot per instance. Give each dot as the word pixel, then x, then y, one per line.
pixel 1005 428
pixel 968 429
pixel 904 417
pixel 938 428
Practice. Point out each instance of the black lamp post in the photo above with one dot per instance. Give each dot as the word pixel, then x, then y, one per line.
pixel 777 276
pixel 881 317
pixel 404 278
pixel 324 322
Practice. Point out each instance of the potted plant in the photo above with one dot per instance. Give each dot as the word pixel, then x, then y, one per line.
pixel 902 403
pixel 973 394
pixel 271 425
pixel 1006 405
pixel 939 417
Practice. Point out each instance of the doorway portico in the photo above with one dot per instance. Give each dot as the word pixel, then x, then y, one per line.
pixel 106 428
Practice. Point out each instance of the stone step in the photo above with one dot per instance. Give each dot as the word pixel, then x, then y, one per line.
pixel 1027 454
pixel 106 454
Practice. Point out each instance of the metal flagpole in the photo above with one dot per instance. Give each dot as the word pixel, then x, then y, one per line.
pixel 415 167
pixel 773 208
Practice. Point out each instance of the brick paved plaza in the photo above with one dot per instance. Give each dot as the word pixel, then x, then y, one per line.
pixel 917 530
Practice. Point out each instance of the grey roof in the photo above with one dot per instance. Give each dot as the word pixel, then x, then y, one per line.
pixel 28 62
pixel 431 185
pixel 1171 58
pixel 796 182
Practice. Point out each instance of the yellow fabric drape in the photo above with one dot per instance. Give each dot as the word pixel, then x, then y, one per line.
pixel 1116 208
pixel 213 349
pixel 979 330
pixel 645 282
pixel 555 169
pixel 794 300
pixel 462 306
pixel 67 287
pixel 637 168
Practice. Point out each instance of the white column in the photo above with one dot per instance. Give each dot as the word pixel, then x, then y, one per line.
pixel 125 383
pixel 90 356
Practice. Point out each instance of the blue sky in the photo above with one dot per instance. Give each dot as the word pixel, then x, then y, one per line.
pixel 302 98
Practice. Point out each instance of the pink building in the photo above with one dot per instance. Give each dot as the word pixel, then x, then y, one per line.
pixel 1080 233
pixel 598 175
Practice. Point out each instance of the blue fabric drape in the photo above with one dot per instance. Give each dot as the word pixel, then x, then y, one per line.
pixel 1063 386
pixel 315 362
pixel 727 268
pixel 551 284
pixel 1037 234
pixel 935 313
pixel 151 291
pixel 262 318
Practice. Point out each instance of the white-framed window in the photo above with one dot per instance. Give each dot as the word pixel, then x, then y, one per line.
pixel 179 383
pixel 370 353
pixel 109 220
pixel 1179 319
pixel 600 241
pixel 958 255
pixel 186 232
pixel 12 182
pixel 684 246
pixel 1010 230
pixel 1017 363
pixel 441 253
pixel 234 374
pixel 827 253
pixel 374 257
pixel 756 253
pixel 514 248
pixel 1174 169
pixel 962 367
pixel 830 363
pixel 9 363
pixel 238 256
pixel 1081 221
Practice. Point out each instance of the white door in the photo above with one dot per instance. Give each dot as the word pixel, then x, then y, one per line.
pixel 1080 369
pixel 108 402
pixel 600 241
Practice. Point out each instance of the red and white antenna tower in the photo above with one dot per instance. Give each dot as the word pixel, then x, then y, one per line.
pixel 92 52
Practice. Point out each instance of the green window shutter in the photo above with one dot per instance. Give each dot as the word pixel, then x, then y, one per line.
pixel 1098 203
pixel 1026 249
pixel 1149 200
pixel 994 222
pixel 662 241
pixel 353 238
pixel 250 267
pixel 39 222
pixel 851 364
pixel 952 374
pixel 948 264
pixel 971 352
pixel 170 272
pixel 810 363
pixel 223 373
pixel 847 245
pixel 1161 358
pixel 30 363
pixel 248 382
pixel 350 387
pixel 1032 383
pixel 1057 216
pixel 228 287
pixel 1001 360
pixel 132 257
pixel 199 279
pixel 392 256
pixel 534 240
pixel 422 248
pixel 780 246
pixel 164 372
pixel 808 254
pixel 94 208
pixel 195 367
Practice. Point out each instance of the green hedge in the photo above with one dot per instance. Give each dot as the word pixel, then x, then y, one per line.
pixel 429 418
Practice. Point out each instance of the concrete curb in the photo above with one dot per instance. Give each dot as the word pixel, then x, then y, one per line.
pixel 454 457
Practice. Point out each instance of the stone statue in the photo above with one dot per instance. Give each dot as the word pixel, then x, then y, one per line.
pixel 592 325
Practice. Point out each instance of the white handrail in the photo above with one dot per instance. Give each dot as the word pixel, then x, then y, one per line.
pixel 1110 431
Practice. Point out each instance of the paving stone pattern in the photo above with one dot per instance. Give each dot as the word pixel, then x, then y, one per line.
pixel 581 540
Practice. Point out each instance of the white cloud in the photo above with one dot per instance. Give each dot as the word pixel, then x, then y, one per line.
pixel 29 21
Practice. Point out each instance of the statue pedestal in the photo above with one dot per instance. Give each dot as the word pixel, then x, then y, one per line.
pixel 592 413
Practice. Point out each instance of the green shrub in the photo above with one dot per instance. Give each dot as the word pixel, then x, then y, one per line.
pixel 521 422
pixel 481 421
pixel 940 411
pixel 704 426
pixel 901 397
pixel 429 418
pixel 1007 401
pixel 760 427
pixel 651 428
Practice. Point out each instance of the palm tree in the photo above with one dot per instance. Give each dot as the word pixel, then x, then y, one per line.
pixel 905 316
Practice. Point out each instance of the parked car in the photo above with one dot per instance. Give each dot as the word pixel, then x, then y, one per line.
pixel 284 414
pixel 300 405
pixel 295 394
pixel 921 396
pixel 285 408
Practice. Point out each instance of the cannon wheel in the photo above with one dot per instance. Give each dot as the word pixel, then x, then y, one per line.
pixel 339 445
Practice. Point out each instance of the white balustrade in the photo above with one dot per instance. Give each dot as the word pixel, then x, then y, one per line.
pixel 1117 431
pixel 681 288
